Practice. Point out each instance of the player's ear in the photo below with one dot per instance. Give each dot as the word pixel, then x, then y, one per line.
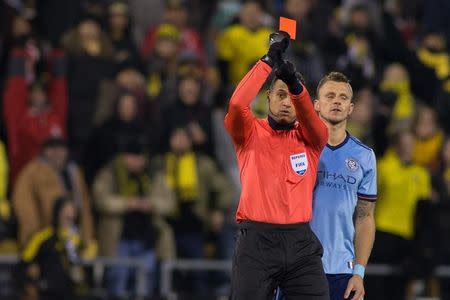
pixel 316 105
pixel 268 96
pixel 352 106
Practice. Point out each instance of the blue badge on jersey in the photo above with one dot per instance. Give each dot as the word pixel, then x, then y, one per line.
pixel 299 163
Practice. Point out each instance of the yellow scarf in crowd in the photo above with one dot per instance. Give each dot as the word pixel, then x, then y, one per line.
pixel 127 185
pixel 181 175
pixel 404 105
pixel 440 62
pixel 426 151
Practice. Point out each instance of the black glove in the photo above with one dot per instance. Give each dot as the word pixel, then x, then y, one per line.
pixel 278 43
pixel 287 73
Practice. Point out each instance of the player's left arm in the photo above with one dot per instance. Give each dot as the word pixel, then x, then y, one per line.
pixel 364 218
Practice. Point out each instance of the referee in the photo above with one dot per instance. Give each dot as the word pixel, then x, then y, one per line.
pixel 278 160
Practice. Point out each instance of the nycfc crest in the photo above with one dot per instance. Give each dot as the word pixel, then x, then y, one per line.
pixel 352 164
pixel 299 163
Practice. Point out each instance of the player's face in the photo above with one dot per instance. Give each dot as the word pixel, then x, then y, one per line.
pixel 334 103
pixel 280 104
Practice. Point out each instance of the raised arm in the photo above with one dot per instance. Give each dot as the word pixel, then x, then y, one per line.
pixel 313 130
pixel 15 97
pixel 239 119
pixel 57 89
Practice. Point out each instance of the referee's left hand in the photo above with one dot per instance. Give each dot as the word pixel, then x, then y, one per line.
pixel 356 285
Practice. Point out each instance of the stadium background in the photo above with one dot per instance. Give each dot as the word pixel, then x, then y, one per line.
pixel 108 78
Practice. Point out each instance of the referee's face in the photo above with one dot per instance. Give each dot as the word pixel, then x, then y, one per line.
pixel 334 103
pixel 281 108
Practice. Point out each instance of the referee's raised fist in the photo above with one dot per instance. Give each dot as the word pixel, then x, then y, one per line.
pixel 279 41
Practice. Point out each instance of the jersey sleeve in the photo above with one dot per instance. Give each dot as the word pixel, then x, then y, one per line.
pixel 367 189
pixel 239 119
pixel 313 130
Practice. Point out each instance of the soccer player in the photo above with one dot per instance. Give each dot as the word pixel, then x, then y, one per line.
pixel 345 193
pixel 278 159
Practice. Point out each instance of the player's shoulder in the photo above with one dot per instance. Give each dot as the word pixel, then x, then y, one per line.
pixel 357 144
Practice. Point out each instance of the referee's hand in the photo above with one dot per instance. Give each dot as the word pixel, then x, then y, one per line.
pixel 355 285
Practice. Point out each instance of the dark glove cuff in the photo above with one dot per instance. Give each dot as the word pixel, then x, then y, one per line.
pixel 266 58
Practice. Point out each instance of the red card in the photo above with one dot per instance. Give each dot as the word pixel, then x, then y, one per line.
pixel 289 26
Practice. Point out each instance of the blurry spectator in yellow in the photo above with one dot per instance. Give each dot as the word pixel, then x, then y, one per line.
pixel 401 185
pixel 41 182
pixel 203 196
pixel 176 14
pixel 4 206
pixel 161 64
pixel 49 260
pixel 132 200
pixel 433 53
pixel 396 107
pixel 240 45
pixel 429 138
pixel 7 245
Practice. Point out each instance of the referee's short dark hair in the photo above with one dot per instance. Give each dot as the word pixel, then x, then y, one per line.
pixel 333 76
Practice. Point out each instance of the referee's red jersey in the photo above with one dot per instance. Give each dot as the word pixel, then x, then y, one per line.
pixel 277 167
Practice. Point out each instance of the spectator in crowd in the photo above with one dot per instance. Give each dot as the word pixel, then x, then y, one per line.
pixel 360 121
pixel 176 14
pixel 41 182
pixel 146 14
pixel 33 113
pixel 106 140
pixel 119 32
pixel 132 201
pixel 49 260
pixel 436 17
pixel 401 184
pixel 190 112
pixel 304 50
pixel 194 178
pixel 5 208
pixel 359 60
pixel 441 178
pixel 127 81
pixel 234 55
pixel 54 18
pixel 396 107
pixel 161 65
pixel 90 54
pixel 429 138
pixel 433 53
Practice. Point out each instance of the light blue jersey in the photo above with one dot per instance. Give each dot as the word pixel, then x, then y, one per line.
pixel 346 172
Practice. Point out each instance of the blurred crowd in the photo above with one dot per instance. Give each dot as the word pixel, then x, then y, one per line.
pixel 112 139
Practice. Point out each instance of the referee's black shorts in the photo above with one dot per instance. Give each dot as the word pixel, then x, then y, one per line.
pixel 272 255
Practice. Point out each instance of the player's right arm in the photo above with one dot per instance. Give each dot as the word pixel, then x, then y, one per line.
pixel 239 119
